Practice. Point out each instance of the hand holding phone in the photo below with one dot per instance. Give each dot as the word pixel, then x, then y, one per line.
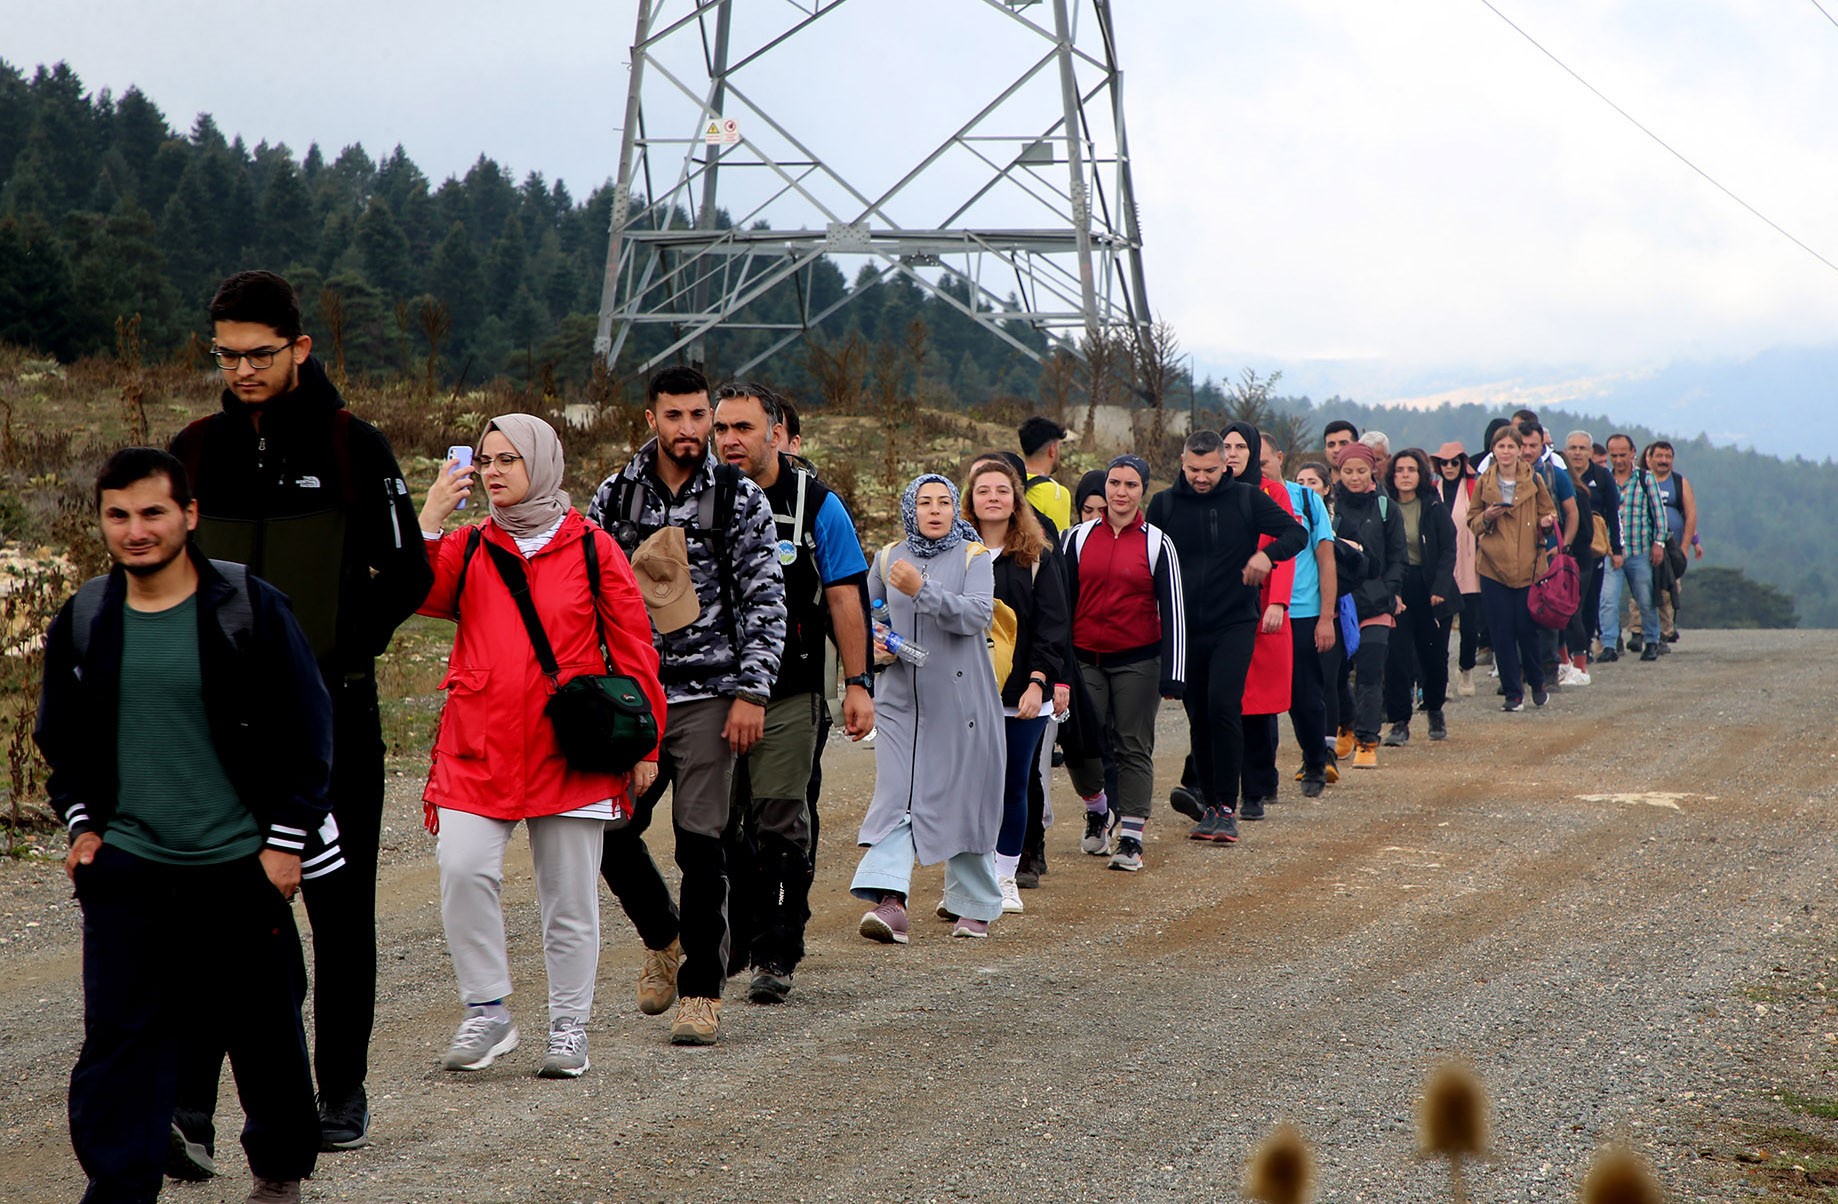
pixel 462 458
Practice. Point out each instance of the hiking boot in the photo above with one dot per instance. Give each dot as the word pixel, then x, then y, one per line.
pixel 1186 802
pixel 187 1159
pixel 886 923
pixel 1204 829
pixel 1313 784
pixel 1226 830
pixel 1096 840
pixel 1011 896
pixel 657 979
pixel 1464 685
pixel 480 1039
pixel 1540 696
pixel 971 929
pixel 274 1191
pixel 1513 704
pixel 698 1021
pixel 566 1057
pixel 1438 729
pixel 1251 808
pixel 1650 652
pixel 1365 756
pixel 1301 771
pixel 771 984
pixel 1128 856
pixel 1398 736
pixel 344 1121
pixel 1331 770
pixel 1343 744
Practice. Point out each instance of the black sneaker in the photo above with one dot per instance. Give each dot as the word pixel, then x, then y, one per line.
pixel 1650 652
pixel 1187 803
pixel 1397 737
pixel 1313 783
pixel 1251 808
pixel 188 1155
pixel 344 1121
pixel 1226 830
pixel 1669 639
pixel 1438 729
pixel 771 984
pixel 1513 704
pixel 1607 656
pixel 1209 822
pixel 1664 649
pixel 1634 644
pixel 1540 696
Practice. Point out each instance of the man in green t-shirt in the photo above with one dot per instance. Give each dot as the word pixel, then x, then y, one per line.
pixel 189 736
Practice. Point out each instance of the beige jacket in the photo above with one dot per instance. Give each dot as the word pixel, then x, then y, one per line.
pixel 1510 549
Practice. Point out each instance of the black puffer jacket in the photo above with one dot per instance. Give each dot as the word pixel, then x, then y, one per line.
pixel 1379 530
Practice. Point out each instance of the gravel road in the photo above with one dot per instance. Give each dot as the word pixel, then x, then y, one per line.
pixel 1616 909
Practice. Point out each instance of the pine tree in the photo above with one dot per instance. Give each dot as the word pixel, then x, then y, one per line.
pixel 37 294
pixel 385 251
pixel 138 132
pixel 455 279
pixel 504 266
pixel 289 231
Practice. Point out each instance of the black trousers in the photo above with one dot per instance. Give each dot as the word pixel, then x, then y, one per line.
pixel 343 909
pixel 1419 652
pixel 1214 701
pixel 1335 710
pixel 1473 629
pixel 1576 633
pixel 1307 705
pixel 175 958
pixel 1368 664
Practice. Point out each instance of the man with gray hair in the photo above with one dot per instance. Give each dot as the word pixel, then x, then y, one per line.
pixel 1597 486
pixel 1380 443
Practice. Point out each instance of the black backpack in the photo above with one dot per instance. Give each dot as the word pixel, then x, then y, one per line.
pixel 235 618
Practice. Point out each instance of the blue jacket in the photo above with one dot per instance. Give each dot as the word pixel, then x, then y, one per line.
pixel 270 716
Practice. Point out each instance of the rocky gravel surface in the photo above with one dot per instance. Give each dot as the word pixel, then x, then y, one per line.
pixel 1616 910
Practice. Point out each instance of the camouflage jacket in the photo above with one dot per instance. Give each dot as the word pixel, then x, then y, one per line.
pixel 737 641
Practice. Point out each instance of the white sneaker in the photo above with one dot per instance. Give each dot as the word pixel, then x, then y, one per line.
pixel 1011 896
pixel 1582 678
pixel 1566 675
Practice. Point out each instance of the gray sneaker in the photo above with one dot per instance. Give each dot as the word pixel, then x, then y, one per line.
pixel 479 1041
pixel 567 1056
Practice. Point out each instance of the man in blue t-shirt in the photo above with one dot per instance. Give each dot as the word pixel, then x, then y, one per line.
pixel 1313 594
pixel 771 837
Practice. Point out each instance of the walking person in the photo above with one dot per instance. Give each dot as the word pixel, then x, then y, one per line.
pixel 938 757
pixel 1455 481
pixel 189 737
pixel 1130 637
pixel 1513 512
pixel 1643 538
pixel 717 660
pixel 310 499
pixel 1419 653
pixel 1031 583
pixel 1372 533
pixel 1313 623
pixel 496 758
pixel 771 840
pixel 1596 551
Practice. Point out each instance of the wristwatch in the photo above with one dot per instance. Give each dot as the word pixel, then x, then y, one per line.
pixel 864 680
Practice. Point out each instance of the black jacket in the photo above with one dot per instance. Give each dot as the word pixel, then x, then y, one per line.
pixel 315 505
pixel 270 716
pixel 1379 571
pixel 1605 500
pixel 1215 533
pixel 1436 538
pixel 1043 624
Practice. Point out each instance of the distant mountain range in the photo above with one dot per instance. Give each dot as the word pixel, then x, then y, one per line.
pixel 1781 402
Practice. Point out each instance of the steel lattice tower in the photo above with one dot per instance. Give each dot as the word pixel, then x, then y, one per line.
pixel 1025 202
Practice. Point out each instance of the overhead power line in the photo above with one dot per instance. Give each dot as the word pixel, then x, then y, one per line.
pixel 1772 224
pixel 1823 13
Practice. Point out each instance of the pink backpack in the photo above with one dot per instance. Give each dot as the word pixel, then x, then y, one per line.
pixel 1554 597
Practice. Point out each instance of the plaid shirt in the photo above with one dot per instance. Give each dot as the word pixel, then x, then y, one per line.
pixel 1643 522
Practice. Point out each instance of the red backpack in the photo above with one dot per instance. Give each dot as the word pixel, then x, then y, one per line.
pixel 1554 597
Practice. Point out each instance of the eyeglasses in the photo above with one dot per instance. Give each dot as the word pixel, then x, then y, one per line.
pixel 261 357
pixel 506 461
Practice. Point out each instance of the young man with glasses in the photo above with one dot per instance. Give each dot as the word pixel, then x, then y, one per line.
pixel 310 499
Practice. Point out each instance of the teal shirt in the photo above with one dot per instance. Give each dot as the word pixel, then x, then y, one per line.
pixel 175 803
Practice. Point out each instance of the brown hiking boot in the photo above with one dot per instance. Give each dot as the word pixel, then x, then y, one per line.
pixel 698 1021
pixel 1365 755
pixel 1343 745
pixel 274 1191
pixel 657 979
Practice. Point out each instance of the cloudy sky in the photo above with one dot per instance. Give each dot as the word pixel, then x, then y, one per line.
pixel 1362 192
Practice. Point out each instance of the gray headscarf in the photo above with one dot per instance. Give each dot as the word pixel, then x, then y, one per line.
pixel 536 441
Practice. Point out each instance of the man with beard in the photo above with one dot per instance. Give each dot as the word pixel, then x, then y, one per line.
pixel 1214 521
pixel 310 499
pixel 189 736
pixel 717 671
pixel 771 835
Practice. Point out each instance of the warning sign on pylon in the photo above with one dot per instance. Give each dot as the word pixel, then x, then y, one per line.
pixel 721 131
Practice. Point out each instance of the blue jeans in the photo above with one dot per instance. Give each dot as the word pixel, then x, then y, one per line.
pixel 1023 763
pixel 1637 572
pixel 970 878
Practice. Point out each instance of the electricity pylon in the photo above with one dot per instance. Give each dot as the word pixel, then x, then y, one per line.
pixel 1023 200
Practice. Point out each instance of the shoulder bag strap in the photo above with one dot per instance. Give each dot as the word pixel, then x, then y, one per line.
pixel 510 568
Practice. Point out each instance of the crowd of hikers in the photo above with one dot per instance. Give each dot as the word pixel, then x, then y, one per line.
pixel 210 711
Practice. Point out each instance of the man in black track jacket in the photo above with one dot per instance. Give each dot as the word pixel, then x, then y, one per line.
pixel 311 500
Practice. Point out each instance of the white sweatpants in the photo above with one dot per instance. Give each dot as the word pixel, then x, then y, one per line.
pixel 566 854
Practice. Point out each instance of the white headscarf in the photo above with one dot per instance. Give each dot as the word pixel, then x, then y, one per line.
pixel 546 502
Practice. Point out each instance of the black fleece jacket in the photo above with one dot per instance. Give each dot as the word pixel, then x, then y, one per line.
pixel 1380 533
pixel 314 504
pixel 1216 533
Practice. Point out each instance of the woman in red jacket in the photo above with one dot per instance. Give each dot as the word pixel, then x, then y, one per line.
pixel 495 756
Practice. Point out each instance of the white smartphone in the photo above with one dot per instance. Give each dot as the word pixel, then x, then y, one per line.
pixel 463 459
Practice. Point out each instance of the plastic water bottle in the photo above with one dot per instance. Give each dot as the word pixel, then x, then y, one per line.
pixel 896 643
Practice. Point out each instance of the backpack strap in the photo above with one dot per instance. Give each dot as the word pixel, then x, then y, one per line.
pixel 83 611
pixel 510 568
pixel 1384 505
pixel 236 617
pixel 473 536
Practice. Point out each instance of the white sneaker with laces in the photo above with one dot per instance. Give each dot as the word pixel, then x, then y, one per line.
pixel 479 1041
pixel 566 1057
pixel 1011 896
